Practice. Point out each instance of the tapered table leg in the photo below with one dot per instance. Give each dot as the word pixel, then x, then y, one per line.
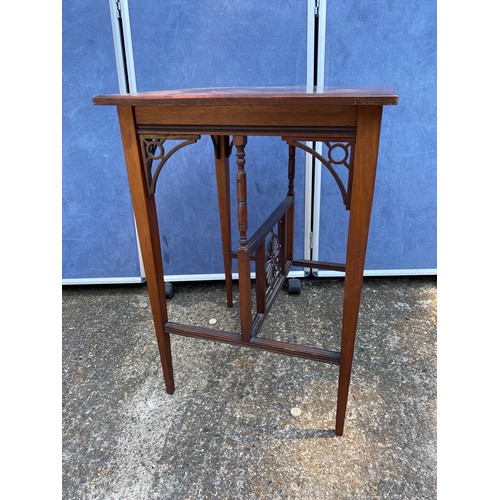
pixel 149 239
pixel 363 180
pixel 222 174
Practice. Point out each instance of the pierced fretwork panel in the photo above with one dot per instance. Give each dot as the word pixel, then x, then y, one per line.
pixel 157 149
pixel 339 160
pixel 271 266
pixel 273 258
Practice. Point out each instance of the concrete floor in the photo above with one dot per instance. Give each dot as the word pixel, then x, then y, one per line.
pixel 227 432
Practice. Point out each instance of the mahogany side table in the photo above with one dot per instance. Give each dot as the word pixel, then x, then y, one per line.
pixel 346 120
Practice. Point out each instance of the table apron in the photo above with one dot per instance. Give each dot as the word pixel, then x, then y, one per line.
pixel 233 117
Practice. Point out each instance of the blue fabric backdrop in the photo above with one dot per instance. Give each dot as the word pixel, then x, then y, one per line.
pixel 388 42
pixel 231 43
pixel 98 227
pixel 225 43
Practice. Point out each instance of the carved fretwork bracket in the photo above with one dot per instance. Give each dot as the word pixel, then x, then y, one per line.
pixel 153 150
pixel 340 152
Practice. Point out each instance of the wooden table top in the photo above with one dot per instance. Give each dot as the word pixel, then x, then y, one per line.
pixel 338 96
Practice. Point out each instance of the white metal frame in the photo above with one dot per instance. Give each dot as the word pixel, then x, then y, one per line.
pixel 308 180
pixel 313 182
pixel 381 273
pixel 132 87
